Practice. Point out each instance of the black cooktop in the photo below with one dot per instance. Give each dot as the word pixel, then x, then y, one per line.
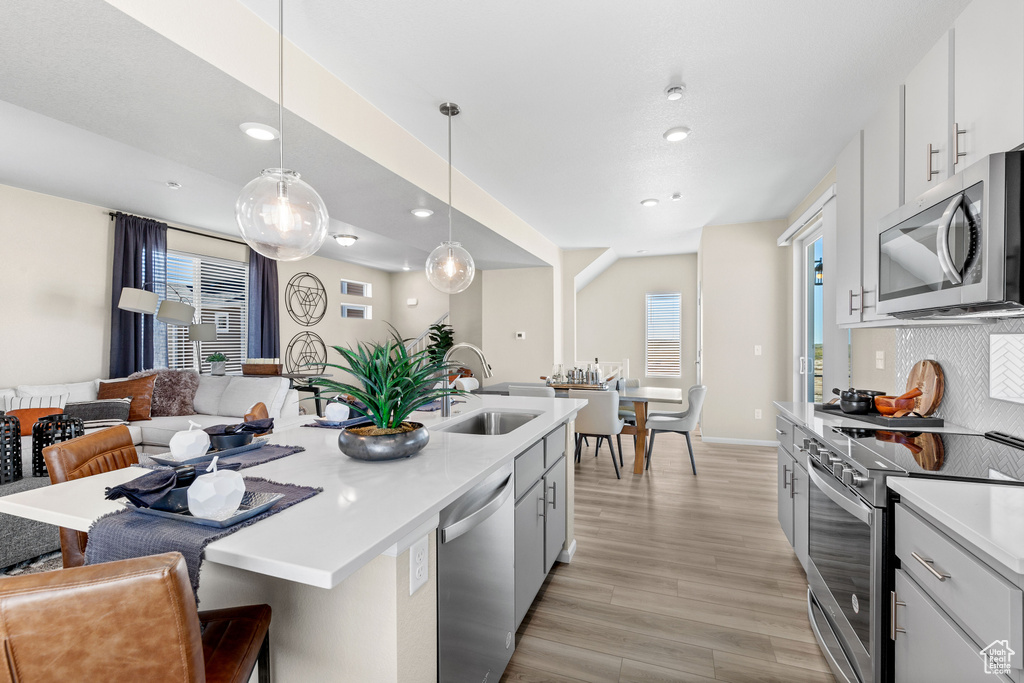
pixel 974 457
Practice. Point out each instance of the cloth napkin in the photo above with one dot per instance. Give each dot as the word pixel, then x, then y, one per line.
pixel 149 488
pixel 256 427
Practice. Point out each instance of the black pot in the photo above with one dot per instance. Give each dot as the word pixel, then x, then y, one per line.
pixel 857 394
pixel 856 407
pixel 222 442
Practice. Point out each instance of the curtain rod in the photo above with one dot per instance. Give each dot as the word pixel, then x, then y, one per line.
pixel 113 215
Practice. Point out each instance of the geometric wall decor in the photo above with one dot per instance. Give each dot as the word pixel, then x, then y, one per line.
pixel 1006 367
pixel 306 299
pixel 306 352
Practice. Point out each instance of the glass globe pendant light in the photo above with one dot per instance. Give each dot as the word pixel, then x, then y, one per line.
pixel 450 267
pixel 279 215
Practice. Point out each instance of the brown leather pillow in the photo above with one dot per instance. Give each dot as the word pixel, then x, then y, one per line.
pixel 28 416
pixel 140 391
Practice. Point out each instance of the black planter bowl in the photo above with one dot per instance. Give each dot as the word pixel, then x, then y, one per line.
pixel 222 442
pixel 384 446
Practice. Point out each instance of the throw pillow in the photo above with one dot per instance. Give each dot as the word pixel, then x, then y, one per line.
pixel 106 413
pixel 22 402
pixel 140 391
pixel 28 416
pixel 173 392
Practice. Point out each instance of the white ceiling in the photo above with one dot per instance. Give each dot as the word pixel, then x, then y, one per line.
pixel 563 111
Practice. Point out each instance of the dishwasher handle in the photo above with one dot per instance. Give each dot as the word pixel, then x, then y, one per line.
pixel 480 515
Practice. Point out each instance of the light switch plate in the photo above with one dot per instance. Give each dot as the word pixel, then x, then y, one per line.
pixel 879 360
pixel 757 413
pixel 757 349
pixel 419 555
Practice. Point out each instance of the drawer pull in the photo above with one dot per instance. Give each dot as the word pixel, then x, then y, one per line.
pixel 894 602
pixel 928 565
pixel 554 496
pixel 780 432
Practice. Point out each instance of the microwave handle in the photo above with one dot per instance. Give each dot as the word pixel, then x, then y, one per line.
pixel 942 239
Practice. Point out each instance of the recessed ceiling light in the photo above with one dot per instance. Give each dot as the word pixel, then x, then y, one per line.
pixel 649 202
pixel 173 185
pixel 422 213
pixel 641 251
pixel 406 268
pixel 677 196
pixel 345 240
pixel 676 134
pixel 260 131
pixel 675 92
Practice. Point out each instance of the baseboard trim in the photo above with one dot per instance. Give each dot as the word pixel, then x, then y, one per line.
pixel 565 557
pixel 739 442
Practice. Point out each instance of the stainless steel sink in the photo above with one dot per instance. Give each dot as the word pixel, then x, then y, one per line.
pixel 489 423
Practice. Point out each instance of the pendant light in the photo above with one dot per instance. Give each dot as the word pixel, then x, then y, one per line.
pixel 279 215
pixel 450 268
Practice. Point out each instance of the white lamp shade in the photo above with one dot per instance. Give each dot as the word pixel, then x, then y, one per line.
pixel 138 301
pixel 450 268
pixel 281 217
pixel 202 332
pixel 175 313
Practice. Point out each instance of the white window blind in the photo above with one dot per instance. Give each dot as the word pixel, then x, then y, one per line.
pixel 219 289
pixel 353 288
pixel 353 311
pixel 664 335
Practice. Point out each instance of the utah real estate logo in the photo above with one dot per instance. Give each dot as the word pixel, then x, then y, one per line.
pixel 997 657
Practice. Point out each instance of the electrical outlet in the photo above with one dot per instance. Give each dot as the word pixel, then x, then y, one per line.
pixel 757 413
pixel 419 554
pixel 757 349
pixel 879 360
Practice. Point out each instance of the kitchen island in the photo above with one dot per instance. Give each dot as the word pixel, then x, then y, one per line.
pixel 335 568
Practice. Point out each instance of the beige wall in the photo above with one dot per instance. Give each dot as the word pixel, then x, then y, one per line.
pixel 518 300
pixel 55 289
pixel 745 286
pixel 864 344
pixel 611 315
pixel 466 318
pixel 431 304
pixel 812 196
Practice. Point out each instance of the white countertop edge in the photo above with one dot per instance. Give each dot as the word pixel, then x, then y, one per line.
pixel 967 510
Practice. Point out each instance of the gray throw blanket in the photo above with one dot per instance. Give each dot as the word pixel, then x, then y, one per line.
pixel 126 534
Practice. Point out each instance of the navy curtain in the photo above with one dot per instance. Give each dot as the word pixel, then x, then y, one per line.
pixel 140 257
pixel 264 308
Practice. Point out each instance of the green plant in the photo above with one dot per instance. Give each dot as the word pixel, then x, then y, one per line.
pixel 390 381
pixel 216 358
pixel 441 337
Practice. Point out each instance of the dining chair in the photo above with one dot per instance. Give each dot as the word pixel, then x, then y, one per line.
pixel 102 451
pixel 130 620
pixel 683 422
pixel 258 412
pixel 525 390
pixel 599 418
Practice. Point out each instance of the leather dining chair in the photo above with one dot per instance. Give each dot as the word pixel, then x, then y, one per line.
pixel 524 390
pixel 599 418
pixel 683 422
pixel 130 620
pixel 102 451
pixel 258 412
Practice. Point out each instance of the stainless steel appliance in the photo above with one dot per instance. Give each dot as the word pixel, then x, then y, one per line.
pixel 850 541
pixel 476 582
pixel 956 250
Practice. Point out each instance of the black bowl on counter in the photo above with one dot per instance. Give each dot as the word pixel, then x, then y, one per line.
pixel 222 442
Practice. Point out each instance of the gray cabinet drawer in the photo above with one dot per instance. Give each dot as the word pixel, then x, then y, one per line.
pixel 987 606
pixel 784 431
pixel 554 446
pixel 529 467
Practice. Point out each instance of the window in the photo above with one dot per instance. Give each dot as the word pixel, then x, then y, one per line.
pixel 353 288
pixel 664 335
pixel 353 311
pixel 219 290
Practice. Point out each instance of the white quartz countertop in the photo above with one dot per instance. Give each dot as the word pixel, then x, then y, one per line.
pixel 987 516
pixel 804 413
pixel 364 509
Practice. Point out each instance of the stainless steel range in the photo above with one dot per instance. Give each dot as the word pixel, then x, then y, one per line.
pixel 850 541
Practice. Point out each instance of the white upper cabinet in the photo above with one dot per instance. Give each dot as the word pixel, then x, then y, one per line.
pixel 928 125
pixel 988 85
pixel 846 272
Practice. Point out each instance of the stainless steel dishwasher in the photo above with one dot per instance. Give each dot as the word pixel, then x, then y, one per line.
pixel 476 583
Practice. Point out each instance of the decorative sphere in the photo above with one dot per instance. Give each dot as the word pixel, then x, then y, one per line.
pixel 450 268
pixel 217 495
pixel 281 216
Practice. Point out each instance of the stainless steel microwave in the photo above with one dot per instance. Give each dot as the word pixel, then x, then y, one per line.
pixel 956 250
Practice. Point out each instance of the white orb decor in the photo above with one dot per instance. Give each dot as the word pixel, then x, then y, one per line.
pixel 336 411
pixel 216 495
pixel 450 268
pixel 281 216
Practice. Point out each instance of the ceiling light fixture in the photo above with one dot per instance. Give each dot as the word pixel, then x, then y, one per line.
pixel 406 268
pixel 641 251
pixel 677 196
pixel 450 267
pixel 676 134
pixel 171 185
pixel 649 202
pixel 675 92
pixel 260 131
pixel 345 240
pixel 422 213
pixel 279 215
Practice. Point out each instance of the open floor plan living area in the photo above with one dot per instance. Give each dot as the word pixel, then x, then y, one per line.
pixel 454 342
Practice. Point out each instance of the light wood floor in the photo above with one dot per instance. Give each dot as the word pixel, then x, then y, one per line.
pixel 676 578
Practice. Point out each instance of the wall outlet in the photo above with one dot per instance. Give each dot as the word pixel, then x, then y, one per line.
pixel 419 554
pixel 757 413
pixel 757 349
pixel 520 335
pixel 879 360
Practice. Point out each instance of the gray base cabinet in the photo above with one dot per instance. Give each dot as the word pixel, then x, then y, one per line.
pixel 554 514
pixel 530 568
pixel 793 487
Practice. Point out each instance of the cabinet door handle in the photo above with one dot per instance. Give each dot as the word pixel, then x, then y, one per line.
pixel 543 500
pixel 554 496
pixel 785 485
pixel 780 432
pixel 863 300
pixel 894 628
pixel 931 152
pixel 852 295
pixel 928 564
pixel 957 132
pixel 792 488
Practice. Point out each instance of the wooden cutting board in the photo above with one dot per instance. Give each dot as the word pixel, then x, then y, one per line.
pixel 928 377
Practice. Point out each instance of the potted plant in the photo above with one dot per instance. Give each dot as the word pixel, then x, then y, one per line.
pixel 441 337
pixel 217 362
pixel 391 383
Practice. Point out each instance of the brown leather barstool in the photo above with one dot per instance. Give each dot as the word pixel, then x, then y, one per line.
pixel 132 620
pixel 102 451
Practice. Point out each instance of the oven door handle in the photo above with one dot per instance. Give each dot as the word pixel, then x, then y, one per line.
pixel 840 497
